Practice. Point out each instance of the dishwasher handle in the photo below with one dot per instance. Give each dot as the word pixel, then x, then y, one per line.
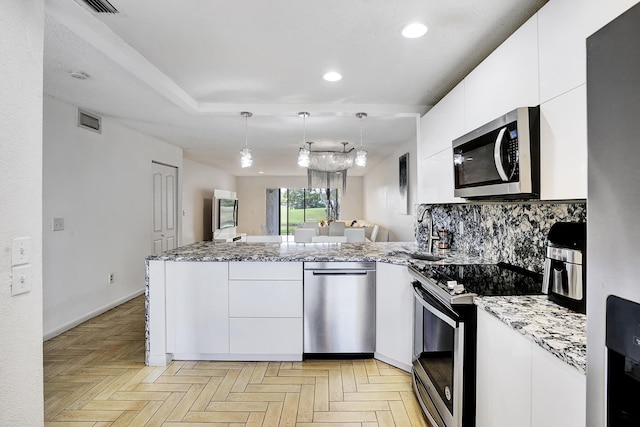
pixel 341 272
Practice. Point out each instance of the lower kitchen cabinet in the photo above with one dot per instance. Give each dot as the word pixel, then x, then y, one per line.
pixel 503 381
pixel 521 384
pixel 559 396
pixel 197 308
pixel 394 315
pixel 265 310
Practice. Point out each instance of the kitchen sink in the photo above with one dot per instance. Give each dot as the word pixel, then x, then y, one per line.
pixel 417 255
pixel 426 257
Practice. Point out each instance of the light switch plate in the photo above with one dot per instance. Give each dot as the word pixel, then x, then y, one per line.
pixel 21 251
pixel 57 224
pixel 20 280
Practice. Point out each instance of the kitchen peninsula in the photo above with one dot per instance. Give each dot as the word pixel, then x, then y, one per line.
pixel 243 301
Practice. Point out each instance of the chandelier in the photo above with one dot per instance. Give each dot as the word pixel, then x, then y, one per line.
pixel 328 168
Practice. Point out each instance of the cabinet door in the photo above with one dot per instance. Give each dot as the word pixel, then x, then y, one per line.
pixel 503 385
pixel 267 336
pixel 200 307
pixel 394 315
pixel 507 79
pixel 563 28
pixel 558 392
pixel 436 184
pixel 277 298
pixel 443 123
pixel 563 146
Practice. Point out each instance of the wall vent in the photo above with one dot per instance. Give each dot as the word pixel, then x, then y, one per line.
pixel 101 6
pixel 89 121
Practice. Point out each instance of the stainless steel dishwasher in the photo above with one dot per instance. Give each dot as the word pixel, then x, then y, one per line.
pixel 339 308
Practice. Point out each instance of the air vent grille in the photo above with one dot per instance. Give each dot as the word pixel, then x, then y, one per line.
pixel 101 6
pixel 89 121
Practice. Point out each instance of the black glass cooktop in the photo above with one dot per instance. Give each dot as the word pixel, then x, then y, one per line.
pixel 486 279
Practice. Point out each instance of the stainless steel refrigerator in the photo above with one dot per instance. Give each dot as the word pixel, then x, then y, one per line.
pixel 613 203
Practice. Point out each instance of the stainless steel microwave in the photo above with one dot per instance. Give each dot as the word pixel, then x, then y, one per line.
pixel 501 159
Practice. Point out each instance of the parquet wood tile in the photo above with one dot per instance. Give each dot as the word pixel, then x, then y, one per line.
pixel 95 376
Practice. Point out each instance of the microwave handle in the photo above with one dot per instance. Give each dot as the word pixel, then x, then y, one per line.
pixel 497 157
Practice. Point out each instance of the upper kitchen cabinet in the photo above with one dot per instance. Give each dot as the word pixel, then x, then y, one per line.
pixel 438 128
pixel 442 124
pixel 563 146
pixel 563 27
pixel 507 79
pixel 436 178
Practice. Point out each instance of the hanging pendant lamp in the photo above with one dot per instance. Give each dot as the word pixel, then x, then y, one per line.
pixel 246 159
pixel 361 154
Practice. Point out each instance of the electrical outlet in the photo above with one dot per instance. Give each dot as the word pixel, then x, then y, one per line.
pixel 57 224
pixel 461 228
pixel 111 278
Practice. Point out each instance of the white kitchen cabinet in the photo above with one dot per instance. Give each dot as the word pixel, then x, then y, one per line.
pixel 443 123
pixel 265 310
pixel 563 28
pixel 436 184
pixel 505 80
pixel 503 383
pixel 559 392
pixel 266 338
pixel 394 315
pixel 197 309
pixel 563 146
pixel 521 384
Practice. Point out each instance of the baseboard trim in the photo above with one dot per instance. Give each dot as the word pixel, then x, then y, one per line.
pixel 54 333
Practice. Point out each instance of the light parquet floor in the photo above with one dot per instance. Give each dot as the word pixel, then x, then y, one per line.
pixel 94 375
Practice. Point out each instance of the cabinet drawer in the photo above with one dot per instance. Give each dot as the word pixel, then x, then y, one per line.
pixel 241 270
pixel 265 299
pixel 265 336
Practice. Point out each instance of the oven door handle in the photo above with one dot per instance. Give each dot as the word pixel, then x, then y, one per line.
pixel 438 313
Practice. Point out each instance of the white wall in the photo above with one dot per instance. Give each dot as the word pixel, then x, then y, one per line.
pixel 101 185
pixel 382 196
pixel 22 33
pixel 251 192
pixel 198 184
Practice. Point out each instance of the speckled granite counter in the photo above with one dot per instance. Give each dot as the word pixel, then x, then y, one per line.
pixel 558 330
pixel 561 332
pixel 391 252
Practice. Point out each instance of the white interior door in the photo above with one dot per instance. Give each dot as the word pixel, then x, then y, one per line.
pixel 165 208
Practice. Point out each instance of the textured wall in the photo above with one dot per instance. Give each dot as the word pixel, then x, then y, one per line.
pixel 21 48
pixel 511 232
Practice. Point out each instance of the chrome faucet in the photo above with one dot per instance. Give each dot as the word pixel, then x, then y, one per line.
pixel 430 236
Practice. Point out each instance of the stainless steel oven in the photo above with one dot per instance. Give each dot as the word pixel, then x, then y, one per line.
pixel 441 338
pixel 444 354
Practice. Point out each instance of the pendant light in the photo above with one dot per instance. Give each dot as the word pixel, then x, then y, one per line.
pixel 246 160
pixel 361 154
pixel 304 153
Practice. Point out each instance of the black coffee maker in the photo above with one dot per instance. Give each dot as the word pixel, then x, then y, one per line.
pixel 565 269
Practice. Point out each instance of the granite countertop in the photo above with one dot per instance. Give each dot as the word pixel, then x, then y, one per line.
pixel 390 252
pixel 558 330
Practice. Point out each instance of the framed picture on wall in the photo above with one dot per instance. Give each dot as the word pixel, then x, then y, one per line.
pixel 403 183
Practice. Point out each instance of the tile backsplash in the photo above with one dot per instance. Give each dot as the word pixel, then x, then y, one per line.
pixel 513 232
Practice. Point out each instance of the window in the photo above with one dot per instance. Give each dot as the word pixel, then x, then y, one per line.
pixel 298 205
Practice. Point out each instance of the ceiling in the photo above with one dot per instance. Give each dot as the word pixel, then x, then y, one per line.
pixel 183 71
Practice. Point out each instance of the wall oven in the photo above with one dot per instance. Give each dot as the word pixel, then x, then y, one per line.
pixel 500 159
pixel 444 356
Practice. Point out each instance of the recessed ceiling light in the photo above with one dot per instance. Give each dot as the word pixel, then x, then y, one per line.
pixel 415 30
pixel 332 76
pixel 261 172
pixel 80 75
